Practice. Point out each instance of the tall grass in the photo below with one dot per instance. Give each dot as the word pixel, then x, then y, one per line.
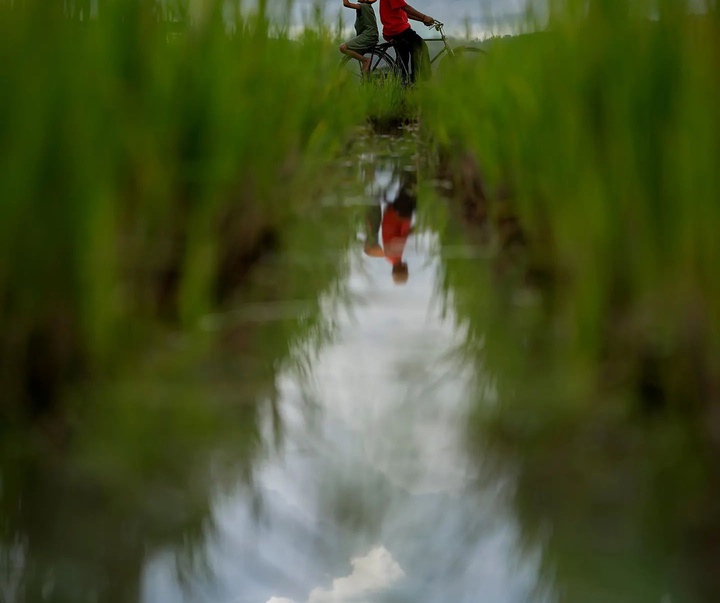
pixel 143 161
pixel 604 127
pixel 144 166
pixel 599 132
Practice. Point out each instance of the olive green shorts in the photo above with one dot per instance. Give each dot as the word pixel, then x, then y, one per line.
pixel 362 42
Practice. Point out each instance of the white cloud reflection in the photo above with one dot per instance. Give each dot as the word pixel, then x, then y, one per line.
pixel 372 573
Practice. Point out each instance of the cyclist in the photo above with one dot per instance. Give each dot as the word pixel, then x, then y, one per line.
pixel 366 29
pixel 410 47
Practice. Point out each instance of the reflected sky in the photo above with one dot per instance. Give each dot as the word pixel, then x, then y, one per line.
pixel 369 497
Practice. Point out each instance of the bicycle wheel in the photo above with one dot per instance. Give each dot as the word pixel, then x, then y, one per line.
pixel 382 65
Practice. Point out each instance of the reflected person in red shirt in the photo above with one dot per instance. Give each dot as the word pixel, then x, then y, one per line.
pixel 410 47
pixel 397 226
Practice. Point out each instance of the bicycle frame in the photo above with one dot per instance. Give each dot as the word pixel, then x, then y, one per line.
pixel 380 52
pixel 437 26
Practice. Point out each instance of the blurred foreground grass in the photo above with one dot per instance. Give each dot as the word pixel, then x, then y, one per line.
pixel 591 146
pixel 145 162
pixel 600 132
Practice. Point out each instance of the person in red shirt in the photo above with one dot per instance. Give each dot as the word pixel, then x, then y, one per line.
pixel 410 47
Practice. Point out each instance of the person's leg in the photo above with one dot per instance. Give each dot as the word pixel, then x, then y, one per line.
pixel 364 61
pixel 420 56
pixel 403 54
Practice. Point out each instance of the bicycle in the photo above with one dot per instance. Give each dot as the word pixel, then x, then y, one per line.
pixel 385 63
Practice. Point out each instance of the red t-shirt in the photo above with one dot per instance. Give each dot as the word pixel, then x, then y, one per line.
pixel 395 232
pixel 393 17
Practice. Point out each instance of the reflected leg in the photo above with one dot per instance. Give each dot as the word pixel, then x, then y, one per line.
pixel 373 218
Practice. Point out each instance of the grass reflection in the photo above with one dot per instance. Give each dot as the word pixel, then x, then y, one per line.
pixel 596 330
pixel 619 501
pixel 134 462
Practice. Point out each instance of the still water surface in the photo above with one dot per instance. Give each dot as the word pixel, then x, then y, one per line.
pixel 370 495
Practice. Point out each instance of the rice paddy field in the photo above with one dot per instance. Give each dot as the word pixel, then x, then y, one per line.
pixel 211 391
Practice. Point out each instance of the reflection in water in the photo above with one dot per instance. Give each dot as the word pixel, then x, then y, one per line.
pixel 623 505
pixel 394 220
pixel 137 472
pixel 370 497
pixel 371 574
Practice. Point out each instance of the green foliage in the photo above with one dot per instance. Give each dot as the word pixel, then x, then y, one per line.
pixel 599 343
pixel 145 165
pixel 387 103
pixel 140 159
pixel 604 128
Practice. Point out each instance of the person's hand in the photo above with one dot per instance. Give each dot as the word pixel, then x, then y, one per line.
pixel 428 20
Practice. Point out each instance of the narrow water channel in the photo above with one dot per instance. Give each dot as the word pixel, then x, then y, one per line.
pixel 369 496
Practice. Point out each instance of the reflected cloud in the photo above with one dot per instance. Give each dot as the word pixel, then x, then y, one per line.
pixel 375 572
